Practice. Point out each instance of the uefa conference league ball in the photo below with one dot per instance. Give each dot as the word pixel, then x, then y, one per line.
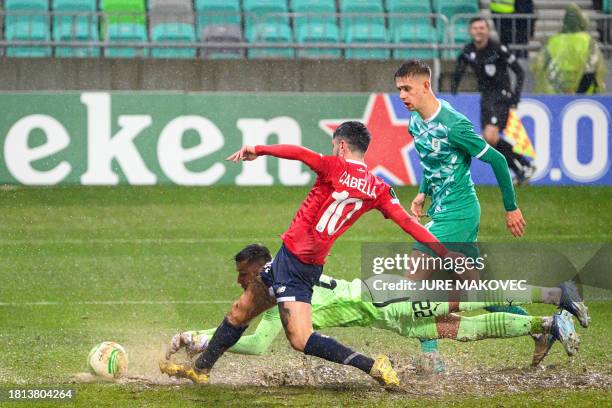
pixel 108 360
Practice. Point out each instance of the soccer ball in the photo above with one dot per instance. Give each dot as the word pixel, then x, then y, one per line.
pixel 108 360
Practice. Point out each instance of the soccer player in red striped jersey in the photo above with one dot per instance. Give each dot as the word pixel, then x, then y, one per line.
pixel 344 190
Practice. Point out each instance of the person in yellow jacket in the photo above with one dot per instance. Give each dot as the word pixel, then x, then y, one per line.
pixel 571 61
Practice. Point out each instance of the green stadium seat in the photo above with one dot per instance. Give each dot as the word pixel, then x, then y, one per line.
pixel 366 33
pixel 123 12
pixel 605 7
pixel 319 33
pixel 363 7
pixel 407 7
pixel 314 11
pixel 221 12
pixel 410 33
pixel 79 31
pixel 272 33
pixel 118 33
pixel 23 30
pixel 256 12
pixel 177 33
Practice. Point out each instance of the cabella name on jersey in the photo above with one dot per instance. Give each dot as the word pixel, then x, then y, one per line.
pixel 360 184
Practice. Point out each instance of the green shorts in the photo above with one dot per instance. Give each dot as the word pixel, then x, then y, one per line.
pixel 459 235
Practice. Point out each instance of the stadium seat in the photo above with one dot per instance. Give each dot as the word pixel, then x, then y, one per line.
pixel 176 33
pixel 123 12
pixel 33 30
pixel 314 11
pixel 180 4
pixel 79 31
pixel 26 20
pixel 170 14
pixel 118 33
pixel 42 5
pixel 411 33
pixel 222 34
pixel 319 33
pixel 80 26
pixel 362 7
pixel 406 7
pixel 366 33
pixel 222 12
pixel 258 12
pixel 450 8
pixel 272 33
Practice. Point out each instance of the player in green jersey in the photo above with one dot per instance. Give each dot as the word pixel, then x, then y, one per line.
pixel 446 142
pixel 339 303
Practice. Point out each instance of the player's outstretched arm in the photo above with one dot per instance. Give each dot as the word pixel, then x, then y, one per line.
pixel 195 342
pixel 312 159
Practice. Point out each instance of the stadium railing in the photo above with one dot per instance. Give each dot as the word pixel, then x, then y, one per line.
pixel 444 46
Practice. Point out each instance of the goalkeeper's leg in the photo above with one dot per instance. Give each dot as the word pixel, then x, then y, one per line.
pixel 491 325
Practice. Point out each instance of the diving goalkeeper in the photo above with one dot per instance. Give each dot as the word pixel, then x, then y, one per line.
pixel 339 303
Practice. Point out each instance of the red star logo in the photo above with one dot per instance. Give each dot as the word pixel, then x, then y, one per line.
pixel 390 144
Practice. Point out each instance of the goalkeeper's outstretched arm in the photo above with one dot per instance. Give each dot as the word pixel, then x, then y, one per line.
pixel 195 342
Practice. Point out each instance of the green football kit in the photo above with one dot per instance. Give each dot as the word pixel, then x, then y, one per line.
pixel 339 303
pixel 446 143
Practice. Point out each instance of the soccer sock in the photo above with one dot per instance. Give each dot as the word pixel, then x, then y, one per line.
pixel 429 346
pixel 329 349
pixel 496 325
pixel 225 337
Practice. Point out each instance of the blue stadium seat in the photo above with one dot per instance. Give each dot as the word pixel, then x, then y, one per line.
pixel 126 32
pixel 258 12
pixel 26 21
pixel 177 33
pixel 270 32
pixel 407 7
pixel 222 12
pixel 319 33
pixel 363 34
pixel 80 26
pixel 33 30
pixel 450 8
pixel 67 31
pixel 42 5
pixel 313 11
pixel 410 33
pixel 363 8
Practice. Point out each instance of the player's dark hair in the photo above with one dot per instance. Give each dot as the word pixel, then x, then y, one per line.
pixel 477 19
pixel 356 134
pixel 413 67
pixel 253 252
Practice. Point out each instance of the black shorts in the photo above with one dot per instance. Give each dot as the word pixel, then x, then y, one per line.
pixel 494 112
pixel 288 279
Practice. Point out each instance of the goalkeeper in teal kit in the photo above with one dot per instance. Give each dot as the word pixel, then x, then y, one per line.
pixel 446 142
pixel 339 303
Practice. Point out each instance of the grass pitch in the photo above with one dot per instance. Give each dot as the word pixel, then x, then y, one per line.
pixel 138 264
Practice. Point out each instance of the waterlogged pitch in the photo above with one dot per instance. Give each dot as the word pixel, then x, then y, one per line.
pixel 137 265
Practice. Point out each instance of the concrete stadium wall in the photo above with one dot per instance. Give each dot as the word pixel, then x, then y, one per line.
pixel 54 74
